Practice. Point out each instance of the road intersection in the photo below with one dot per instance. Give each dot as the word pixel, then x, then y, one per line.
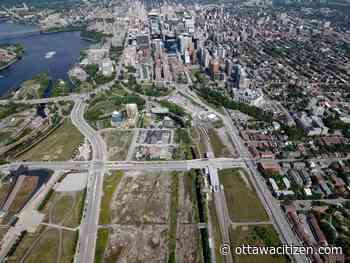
pixel 99 165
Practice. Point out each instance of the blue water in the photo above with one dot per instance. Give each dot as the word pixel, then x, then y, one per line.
pixel 67 46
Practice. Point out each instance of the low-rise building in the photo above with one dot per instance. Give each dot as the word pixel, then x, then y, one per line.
pixel 269 167
pixel 253 97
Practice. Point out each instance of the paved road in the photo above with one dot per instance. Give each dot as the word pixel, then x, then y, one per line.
pixel 273 209
pixel 89 225
pixel 44 100
pixel 220 207
pixel 218 198
pixel 129 165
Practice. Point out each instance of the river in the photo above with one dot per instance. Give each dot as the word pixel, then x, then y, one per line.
pixel 67 46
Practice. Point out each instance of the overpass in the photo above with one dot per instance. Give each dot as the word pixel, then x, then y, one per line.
pixel 43 100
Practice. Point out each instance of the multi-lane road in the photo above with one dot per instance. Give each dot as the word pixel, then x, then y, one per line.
pixel 98 165
pixel 275 212
pixel 89 225
pixel 184 165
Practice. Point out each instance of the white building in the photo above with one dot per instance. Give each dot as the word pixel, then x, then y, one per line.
pixel 96 55
pixel 253 97
pixel 313 126
pixel 106 67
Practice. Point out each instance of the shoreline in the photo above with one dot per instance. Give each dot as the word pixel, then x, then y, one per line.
pixel 10 64
pixel 19 56
pixel 8 91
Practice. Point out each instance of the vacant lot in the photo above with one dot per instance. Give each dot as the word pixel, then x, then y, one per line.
pixel 110 184
pixel 64 208
pixel 46 245
pixel 58 146
pixel 242 200
pixel 142 198
pixel 188 243
pixel 5 188
pixel 152 216
pixel 216 232
pixel 118 143
pixel 49 243
pixel 262 235
pixel 219 148
pixel 5 137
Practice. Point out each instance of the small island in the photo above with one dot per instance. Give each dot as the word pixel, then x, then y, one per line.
pixel 9 54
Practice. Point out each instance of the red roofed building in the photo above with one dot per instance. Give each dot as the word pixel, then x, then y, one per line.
pixel 269 167
pixel 317 231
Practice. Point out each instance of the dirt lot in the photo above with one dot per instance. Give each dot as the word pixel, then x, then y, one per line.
pixel 141 216
pixel 144 243
pixel 154 137
pixel 22 197
pixel 143 198
pixel 117 142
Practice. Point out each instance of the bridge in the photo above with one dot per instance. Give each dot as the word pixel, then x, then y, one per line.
pixel 9 35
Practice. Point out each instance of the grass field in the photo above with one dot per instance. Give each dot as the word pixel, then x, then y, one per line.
pixel 219 149
pixel 101 244
pixel 262 235
pixel 74 219
pixel 118 143
pixel 43 247
pixel 64 209
pixel 242 200
pixel 4 137
pixel 5 188
pixel 174 205
pixel 216 232
pixel 46 249
pixel 109 186
pixel 58 146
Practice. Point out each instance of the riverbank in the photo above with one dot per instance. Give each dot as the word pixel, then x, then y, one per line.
pixel 62 29
pixel 9 64
pixel 17 50
pixel 67 46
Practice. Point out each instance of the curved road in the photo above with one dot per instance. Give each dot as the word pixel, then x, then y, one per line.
pixel 88 229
